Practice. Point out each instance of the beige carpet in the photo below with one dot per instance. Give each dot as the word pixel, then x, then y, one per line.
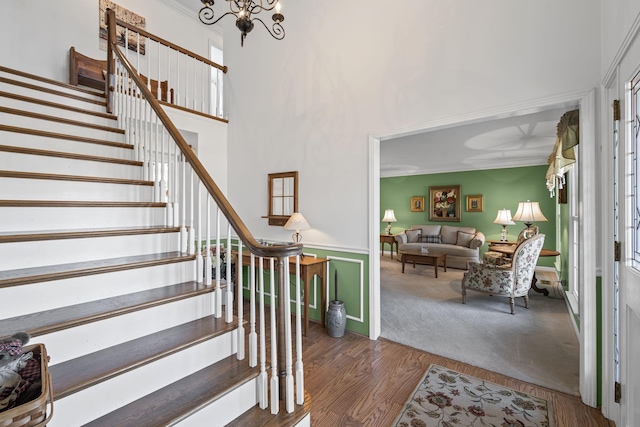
pixel 537 345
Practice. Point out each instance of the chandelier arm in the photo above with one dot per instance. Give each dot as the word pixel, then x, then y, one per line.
pixel 207 16
pixel 276 31
pixel 271 4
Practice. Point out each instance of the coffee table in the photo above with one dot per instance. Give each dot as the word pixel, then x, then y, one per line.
pixel 429 258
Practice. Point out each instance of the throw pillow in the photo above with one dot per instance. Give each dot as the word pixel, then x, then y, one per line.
pixel 464 239
pixel 413 235
pixel 431 239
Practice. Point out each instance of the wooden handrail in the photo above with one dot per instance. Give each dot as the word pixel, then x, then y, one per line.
pixel 167 43
pixel 234 219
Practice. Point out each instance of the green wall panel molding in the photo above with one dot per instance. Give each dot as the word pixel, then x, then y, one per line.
pixel 353 287
pixel 500 188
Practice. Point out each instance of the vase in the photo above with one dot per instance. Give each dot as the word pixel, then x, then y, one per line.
pixel 336 319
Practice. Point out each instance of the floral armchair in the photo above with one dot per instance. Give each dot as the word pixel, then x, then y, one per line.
pixel 511 280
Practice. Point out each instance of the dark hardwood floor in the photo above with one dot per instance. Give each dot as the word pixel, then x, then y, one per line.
pixel 354 381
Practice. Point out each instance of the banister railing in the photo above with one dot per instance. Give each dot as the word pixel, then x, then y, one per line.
pixel 179 178
pixel 176 76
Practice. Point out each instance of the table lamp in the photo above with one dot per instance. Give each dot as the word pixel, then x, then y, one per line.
pixel 529 212
pixel 297 222
pixel 389 217
pixel 504 219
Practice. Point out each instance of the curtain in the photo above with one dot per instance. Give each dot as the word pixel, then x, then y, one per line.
pixel 563 156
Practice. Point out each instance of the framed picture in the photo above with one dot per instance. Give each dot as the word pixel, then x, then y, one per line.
pixel 474 203
pixel 417 204
pixel 444 203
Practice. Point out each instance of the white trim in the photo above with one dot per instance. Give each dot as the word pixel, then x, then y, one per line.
pixel 374 238
pixel 588 245
pixel 622 51
pixel 355 261
pixel 191 14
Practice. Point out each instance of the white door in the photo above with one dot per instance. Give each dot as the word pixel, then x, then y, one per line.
pixel 627 312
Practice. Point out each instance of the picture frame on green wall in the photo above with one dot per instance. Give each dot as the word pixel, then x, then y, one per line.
pixel 444 203
pixel 475 203
pixel 417 204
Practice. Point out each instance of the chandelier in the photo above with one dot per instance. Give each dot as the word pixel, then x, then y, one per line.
pixel 245 12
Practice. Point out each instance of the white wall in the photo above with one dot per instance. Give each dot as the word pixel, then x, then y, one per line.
pixel 348 69
pixel 37 34
pixel 617 19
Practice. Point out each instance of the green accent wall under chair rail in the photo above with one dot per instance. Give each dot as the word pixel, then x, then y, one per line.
pixel 500 188
pixel 353 287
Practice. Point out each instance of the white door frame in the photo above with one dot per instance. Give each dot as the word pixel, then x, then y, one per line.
pixel 586 102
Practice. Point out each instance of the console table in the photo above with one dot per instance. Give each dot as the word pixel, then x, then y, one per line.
pixel 309 267
pixel 509 249
pixel 391 240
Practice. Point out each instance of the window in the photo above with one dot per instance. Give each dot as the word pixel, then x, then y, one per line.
pixel 216 101
pixel 635 146
pixel 283 197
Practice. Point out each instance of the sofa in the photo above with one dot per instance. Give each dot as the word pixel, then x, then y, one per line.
pixel 461 244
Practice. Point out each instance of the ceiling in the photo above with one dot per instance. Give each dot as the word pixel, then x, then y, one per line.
pixel 521 140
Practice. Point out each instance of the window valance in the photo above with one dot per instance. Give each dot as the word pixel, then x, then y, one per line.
pixel 563 156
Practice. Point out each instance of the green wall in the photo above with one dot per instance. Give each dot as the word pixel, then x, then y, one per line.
pixel 501 189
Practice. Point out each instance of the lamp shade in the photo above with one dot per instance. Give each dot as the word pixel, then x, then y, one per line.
pixel 529 212
pixel 389 216
pixel 297 222
pixel 504 217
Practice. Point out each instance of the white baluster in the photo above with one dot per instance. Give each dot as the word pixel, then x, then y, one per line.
pixel 218 289
pixel 207 264
pixel 191 245
pixel 286 300
pixel 263 385
pixel 229 301
pixel 299 365
pixel 238 285
pixel 199 260
pixel 274 388
pixel 253 336
pixel 183 200
pixel 176 169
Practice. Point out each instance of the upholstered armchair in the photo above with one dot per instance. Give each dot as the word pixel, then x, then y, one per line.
pixel 511 280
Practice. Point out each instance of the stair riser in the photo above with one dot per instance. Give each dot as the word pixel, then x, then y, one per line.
pixel 16 139
pixel 33 107
pixel 105 397
pixel 50 252
pixel 67 89
pixel 225 409
pixel 44 189
pixel 25 219
pixel 57 165
pixel 56 293
pixel 53 126
pixel 86 101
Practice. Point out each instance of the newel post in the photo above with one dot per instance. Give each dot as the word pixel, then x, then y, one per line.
pixel 111 39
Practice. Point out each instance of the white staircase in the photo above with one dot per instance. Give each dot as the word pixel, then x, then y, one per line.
pixel 89 266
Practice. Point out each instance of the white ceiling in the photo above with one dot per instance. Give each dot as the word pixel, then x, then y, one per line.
pixel 522 140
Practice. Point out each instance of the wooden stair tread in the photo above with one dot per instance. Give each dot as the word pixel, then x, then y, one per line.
pixel 36 235
pixel 81 178
pixel 64 136
pixel 85 371
pixel 57 319
pixel 25 276
pixel 67 155
pixel 79 204
pixel 58 119
pixel 55 92
pixel 51 81
pixel 56 105
pixel 256 417
pixel 177 401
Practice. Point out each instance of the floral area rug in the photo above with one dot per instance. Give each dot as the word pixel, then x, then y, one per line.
pixel 446 398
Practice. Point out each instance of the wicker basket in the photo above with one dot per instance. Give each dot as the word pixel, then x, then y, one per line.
pixel 34 412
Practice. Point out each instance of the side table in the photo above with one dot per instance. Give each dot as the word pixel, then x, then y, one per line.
pixel 391 240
